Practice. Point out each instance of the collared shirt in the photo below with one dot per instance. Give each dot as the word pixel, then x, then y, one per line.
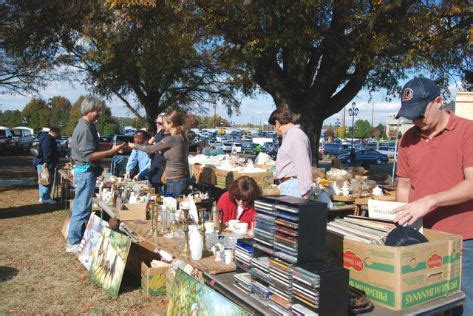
pixel 435 165
pixel 140 158
pixel 294 158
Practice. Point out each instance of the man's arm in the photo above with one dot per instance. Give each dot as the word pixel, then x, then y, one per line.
pixel 106 153
pixel 461 192
pixel 402 189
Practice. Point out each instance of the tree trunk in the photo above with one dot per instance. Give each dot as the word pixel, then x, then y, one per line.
pixel 312 126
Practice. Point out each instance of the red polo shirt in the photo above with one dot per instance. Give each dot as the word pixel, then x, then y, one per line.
pixel 229 210
pixel 437 165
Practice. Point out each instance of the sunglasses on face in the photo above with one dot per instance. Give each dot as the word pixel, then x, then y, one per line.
pixel 159 123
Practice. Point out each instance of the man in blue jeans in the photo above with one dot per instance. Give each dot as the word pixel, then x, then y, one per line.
pixel 48 157
pixel 86 159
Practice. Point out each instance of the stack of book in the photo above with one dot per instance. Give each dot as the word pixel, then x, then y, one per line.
pixel 361 229
pixel 243 282
pixel 260 277
pixel 243 255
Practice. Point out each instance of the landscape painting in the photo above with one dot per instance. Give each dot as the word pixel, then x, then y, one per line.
pixel 109 259
pixel 90 239
pixel 190 297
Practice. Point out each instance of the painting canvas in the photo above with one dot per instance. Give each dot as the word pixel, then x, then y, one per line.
pixel 190 297
pixel 109 259
pixel 90 239
pixel 65 226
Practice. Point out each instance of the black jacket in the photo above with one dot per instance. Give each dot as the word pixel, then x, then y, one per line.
pixel 47 150
pixel 157 162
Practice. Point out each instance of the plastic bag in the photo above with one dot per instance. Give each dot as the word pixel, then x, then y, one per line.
pixel 44 176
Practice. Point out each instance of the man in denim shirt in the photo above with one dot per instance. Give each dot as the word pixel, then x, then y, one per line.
pixel 139 158
pixel 86 158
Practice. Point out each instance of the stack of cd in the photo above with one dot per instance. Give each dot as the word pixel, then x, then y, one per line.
pixel 243 255
pixel 264 226
pixel 260 277
pixel 305 288
pixel 280 275
pixel 243 282
pixel 285 238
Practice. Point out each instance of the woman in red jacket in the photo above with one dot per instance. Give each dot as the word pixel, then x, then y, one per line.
pixel 237 202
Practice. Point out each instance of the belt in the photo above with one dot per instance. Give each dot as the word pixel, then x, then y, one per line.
pixel 282 180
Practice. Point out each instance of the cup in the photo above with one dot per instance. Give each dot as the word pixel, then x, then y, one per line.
pixel 228 255
pixel 241 228
pixel 209 227
pixel 231 224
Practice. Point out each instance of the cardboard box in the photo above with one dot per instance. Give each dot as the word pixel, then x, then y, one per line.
pixel 401 277
pixel 132 212
pixel 225 178
pixel 204 174
pixel 153 280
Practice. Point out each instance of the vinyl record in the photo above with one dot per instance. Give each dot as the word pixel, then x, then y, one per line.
pixel 404 236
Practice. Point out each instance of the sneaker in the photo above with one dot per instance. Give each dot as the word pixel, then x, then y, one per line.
pixel 75 249
pixel 48 201
pixel 40 200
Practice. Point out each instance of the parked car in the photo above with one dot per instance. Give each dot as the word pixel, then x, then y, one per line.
pixel 22 137
pixel 248 148
pixel 271 149
pixel 364 156
pixel 335 149
pixel 105 143
pixel 6 137
pixel 62 145
pixel 226 146
pixel 120 139
pixel 237 147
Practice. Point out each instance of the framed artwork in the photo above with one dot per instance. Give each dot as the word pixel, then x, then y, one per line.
pixel 190 297
pixel 109 260
pixel 90 239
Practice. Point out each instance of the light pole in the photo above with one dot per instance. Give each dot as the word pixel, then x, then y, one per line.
pixel 352 111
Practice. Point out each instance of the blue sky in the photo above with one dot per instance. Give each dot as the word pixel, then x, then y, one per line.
pixel 253 110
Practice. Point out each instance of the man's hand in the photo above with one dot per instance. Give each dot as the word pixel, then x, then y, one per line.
pixel 118 148
pixel 127 175
pixel 136 178
pixel 132 145
pixel 411 212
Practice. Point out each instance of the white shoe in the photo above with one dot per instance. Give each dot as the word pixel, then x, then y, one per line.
pixel 40 200
pixel 75 249
pixel 49 201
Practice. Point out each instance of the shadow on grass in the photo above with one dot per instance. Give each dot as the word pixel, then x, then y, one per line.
pixel 28 210
pixel 7 273
pixel 12 188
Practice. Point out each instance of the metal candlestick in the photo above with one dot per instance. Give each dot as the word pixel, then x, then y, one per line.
pixel 153 232
pixel 186 251
pixel 205 252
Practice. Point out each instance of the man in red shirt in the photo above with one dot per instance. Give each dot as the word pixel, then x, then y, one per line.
pixel 435 170
pixel 237 202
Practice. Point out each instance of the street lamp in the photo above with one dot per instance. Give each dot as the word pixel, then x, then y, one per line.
pixel 352 111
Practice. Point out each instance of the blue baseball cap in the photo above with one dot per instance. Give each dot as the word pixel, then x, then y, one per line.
pixel 416 95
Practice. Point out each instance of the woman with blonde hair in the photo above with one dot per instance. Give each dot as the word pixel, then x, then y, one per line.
pixel 175 150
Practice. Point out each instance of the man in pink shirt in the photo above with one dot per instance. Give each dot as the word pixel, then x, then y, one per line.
pixel 294 159
pixel 435 170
